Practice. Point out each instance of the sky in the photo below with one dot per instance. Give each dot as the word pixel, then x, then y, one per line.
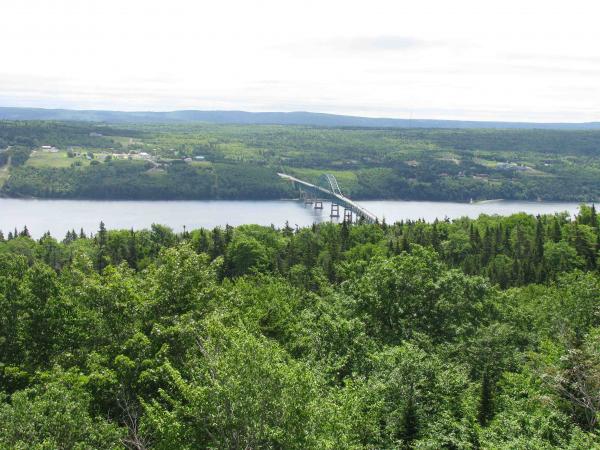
pixel 525 60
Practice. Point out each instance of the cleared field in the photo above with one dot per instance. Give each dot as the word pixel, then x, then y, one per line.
pixel 200 164
pixel 4 174
pixel 53 160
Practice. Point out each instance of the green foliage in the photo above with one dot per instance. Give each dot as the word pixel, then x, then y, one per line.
pixel 55 414
pixel 461 335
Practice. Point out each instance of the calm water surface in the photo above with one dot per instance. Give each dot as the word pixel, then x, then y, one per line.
pixel 58 216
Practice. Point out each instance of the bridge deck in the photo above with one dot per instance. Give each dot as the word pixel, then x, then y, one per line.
pixel 341 199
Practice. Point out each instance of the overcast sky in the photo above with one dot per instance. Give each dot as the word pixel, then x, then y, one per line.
pixel 450 59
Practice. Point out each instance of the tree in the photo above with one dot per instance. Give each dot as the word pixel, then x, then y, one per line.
pixel 55 414
pixel 102 256
pixel 244 392
pixel 560 257
pixel 486 409
pixel 415 293
pixel 577 379
pixel 245 254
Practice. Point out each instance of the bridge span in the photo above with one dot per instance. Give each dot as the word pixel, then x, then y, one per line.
pixel 334 194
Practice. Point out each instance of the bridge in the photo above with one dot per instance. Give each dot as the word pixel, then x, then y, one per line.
pixel 333 193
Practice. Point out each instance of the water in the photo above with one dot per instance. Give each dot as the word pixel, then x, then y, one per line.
pixel 59 216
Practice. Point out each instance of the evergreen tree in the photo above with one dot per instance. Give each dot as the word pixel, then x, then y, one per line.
pixel 345 235
pixel 435 237
pixel 475 238
pixel 487 247
pixel 203 242
pixel 132 256
pixel 25 232
pixel 486 409
pixel 410 423
pixel 228 234
pixel 556 230
pixel 101 240
pixel 287 230
pixel 405 244
pixel 538 253
pixel 218 243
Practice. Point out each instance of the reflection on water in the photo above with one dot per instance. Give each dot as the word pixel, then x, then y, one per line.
pixel 59 216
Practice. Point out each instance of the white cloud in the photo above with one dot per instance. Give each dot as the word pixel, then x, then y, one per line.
pixel 509 60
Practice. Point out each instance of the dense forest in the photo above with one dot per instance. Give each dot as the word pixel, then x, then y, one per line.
pixel 200 161
pixel 461 335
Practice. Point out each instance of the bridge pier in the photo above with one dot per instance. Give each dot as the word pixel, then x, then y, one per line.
pixel 318 204
pixel 335 210
pixel 307 199
pixel 348 215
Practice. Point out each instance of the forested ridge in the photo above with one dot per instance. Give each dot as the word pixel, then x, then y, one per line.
pixel 462 335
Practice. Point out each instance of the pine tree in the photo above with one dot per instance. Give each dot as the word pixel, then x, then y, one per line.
pixel 405 244
pixel 487 247
pixel 101 240
pixel 556 231
pixel 499 240
pixel 486 409
pixel 203 244
pixel 228 234
pixel 435 237
pixel 390 247
pixel 506 245
pixel 25 232
pixel 287 230
pixel 410 423
pixel 474 238
pixel 132 256
pixel 538 252
pixel 102 234
pixel 345 235
pixel 218 243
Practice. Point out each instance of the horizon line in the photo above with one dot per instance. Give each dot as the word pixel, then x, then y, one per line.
pixel 354 116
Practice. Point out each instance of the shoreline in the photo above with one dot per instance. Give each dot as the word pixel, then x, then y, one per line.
pixel 176 200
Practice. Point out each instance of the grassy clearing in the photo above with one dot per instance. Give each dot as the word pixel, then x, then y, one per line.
pixel 485 162
pixel 4 174
pixel 52 160
pixel 200 164
pixel 125 141
pixel 240 152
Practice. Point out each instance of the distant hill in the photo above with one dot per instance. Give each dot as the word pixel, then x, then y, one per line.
pixel 274 118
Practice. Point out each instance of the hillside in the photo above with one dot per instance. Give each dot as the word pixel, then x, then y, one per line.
pixel 214 161
pixel 271 118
